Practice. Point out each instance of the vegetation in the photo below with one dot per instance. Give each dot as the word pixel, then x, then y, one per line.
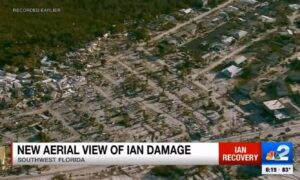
pixel 168 172
pixel 295 65
pixel 139 34
pixel 25 37
pixel 133 85
pixel 248 172
pixel 60 177
pixel 43 137
pixel 214 3
pixel 281 8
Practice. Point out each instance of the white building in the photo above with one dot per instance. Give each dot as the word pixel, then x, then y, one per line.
pixel 251 2
pixel 267 19
pixel 238 60
pixel 277 108
pixel 231 71
pixel 294 7
pixel 273 105
pixel 228 40
pixel 240 34
pixel 231 9
pixel 186 11
pixel 24 75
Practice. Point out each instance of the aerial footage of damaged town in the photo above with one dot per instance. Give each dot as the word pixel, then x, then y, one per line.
pixel 227 70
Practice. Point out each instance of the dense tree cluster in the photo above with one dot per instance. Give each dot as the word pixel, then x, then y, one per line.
pixel 23 36
pixel 214 3
pixel 168 172
pixel 295 65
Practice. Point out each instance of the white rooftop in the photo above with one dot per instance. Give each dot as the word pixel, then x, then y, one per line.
pixel 241 33
pixel 239 59
pixel 186 11
pixel 232 70
pixel 294 6
pixel 273 105
pixel 227 40
pixel 232 9
pixel 267 19
pixel 279 115
pixel 250 1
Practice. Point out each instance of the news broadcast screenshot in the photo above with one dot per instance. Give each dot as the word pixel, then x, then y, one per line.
pixel 150 89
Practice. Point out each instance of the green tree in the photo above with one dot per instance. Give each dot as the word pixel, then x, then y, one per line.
pixel 170 172
pixel 140 34
pixel 44 137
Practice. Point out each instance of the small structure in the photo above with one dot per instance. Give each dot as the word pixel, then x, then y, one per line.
pixel 217 46
pixel 106 35
pixel 228 40
pixel 240 34
pixel 45 61
pixel 181 34
pixel 231 9
pixel 274 58
pixel 293 77
pixel 251 2
pixel 248 88
pixel 231 71
pixel 294 7
pixel 215 20
pixel 286 32
pixel 172 41
pixel 295 88
pixel 168 18
pixel 281 88
pixel 238 60
pixel 12 69
pixel 2 73
pixel 191 29
pixel 289 49
pixel 267 19
pixel 186 11
pixel 204 2
pixel 277 109
pixel 24 75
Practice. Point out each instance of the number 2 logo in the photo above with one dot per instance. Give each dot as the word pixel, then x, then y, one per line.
pixel 283 151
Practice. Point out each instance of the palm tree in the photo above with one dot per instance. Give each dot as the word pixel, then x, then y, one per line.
pixel 162 84
pixel 165 70
pixel 145 116
pixel 103 62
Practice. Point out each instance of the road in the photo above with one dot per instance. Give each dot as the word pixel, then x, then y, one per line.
pixel 59 117
pixel 35 111
pixel 250 135
pixel 107 96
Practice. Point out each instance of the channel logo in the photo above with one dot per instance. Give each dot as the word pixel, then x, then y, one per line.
pixel 277 153
pixel 280 154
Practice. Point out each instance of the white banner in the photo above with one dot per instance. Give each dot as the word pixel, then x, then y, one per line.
pixel 277 169
pixel 115 153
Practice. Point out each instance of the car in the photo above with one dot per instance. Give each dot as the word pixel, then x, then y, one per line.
pixel 256 137
pixel 269 135
pixel 282 133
